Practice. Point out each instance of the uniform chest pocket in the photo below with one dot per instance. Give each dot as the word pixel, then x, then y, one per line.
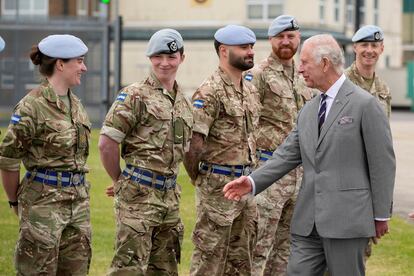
pixel 281 91
pixel 156 125
pixel 58 136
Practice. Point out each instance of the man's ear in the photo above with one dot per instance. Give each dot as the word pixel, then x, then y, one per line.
pixel 326 64
pixel 223 50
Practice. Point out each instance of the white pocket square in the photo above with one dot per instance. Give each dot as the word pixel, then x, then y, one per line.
pixel 345 120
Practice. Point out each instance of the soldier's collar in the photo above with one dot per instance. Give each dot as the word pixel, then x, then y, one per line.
pixel 275 63
pixel 155 83
pixel 50 95
pixel 224 76
pixel 354 69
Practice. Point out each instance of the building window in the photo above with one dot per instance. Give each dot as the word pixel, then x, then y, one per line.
pixel 83 7
pixel 349 12
pixel 362 13
pixel 264 9
pixel 336 10
pixel 96 8
pixel 26 7
pixel 322 11
pixel 376 12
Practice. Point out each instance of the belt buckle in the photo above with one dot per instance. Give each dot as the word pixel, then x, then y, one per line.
pixel 247 170
pixel 76 179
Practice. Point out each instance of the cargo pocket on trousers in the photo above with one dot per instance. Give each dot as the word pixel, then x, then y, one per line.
pixel 34 250
pixel 209 235
pixel 133 243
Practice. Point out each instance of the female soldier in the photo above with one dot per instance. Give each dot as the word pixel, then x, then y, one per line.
pixel 49 131
pixel 152 121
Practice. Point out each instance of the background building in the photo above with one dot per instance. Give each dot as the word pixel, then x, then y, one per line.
pixel 197 20
pixel 24 22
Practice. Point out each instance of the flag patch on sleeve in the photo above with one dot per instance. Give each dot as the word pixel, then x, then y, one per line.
pixel 121 97
pixel 248 77
pixel 198 103
pixel 15 119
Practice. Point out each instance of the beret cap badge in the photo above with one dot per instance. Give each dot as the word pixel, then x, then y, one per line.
pixel 172 46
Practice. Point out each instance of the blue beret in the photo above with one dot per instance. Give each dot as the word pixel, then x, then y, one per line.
pixel 2 44
pixel 368 33
pixel 164 41
pixel 235 35
pixel 62 46
pixel 282 23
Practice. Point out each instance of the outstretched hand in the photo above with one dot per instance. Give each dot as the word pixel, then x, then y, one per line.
pixel 234 190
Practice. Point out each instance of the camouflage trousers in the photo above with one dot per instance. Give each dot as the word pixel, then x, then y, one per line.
pixel 55 230
pixel 275 207
pixel 225 232
pixel 149 230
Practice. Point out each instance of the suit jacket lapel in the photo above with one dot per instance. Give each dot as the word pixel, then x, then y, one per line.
pixel 338 104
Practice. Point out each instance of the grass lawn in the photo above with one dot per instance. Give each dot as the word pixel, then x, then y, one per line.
pixel 393 256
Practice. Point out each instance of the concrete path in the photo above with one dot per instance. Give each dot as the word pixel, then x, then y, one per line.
pixel 402 125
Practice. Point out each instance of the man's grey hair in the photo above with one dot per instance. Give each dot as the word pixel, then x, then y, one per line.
pixel 325 46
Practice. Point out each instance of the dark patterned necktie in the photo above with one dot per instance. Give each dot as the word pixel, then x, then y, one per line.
pixel 322 112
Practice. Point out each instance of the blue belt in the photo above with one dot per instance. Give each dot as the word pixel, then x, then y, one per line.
pixel 148 178
pixel 264 155
pixel 55 178
pixel 232 170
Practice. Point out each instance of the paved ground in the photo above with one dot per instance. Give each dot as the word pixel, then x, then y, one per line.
pixel 402 125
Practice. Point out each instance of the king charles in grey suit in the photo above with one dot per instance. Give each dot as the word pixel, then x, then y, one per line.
pixel 349 169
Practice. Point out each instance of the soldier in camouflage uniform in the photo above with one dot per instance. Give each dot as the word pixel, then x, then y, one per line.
pixel 49 132
pixel 282 93
pixel 152 121
pixel 368 46
pixel 226 110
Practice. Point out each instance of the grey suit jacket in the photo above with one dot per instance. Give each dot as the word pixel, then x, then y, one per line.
pixel 349 169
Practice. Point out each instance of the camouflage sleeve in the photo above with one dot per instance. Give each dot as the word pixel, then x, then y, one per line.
pixel 205 109
pixel 18 137
pixel 122 116
pixel 259 82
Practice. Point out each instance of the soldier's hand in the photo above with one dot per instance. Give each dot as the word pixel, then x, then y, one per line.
pixel 110 191
pixel 237 188
pixel 411 215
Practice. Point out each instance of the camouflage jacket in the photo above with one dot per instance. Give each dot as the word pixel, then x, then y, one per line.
pixel 281 96
pixel 228 119
pixel 153 128
pixel 378 88
pixel 44 133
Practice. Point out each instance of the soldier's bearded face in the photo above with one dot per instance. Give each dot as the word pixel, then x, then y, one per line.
pixel 285 44
pixel 242 57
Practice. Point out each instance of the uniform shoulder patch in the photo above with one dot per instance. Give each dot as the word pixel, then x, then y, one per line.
pixel 198 103
pixel 15 119
pixel 121 96
pixel 248 77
